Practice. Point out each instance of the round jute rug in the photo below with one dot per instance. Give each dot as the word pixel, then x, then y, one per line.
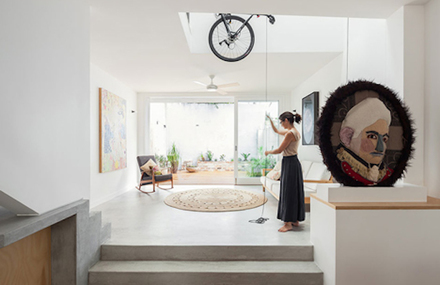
pixel 215 200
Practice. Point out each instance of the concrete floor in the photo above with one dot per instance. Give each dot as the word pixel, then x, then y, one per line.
pixel 144 219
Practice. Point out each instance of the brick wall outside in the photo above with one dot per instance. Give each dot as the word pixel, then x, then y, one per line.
pixel 215 166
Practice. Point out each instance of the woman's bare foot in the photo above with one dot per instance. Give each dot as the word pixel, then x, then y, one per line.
pixel 287 227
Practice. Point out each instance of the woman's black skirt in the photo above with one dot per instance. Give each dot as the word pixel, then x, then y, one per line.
pixel 291 207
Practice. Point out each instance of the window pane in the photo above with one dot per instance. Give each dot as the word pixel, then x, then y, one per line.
pixel 196 128
pixel 255 135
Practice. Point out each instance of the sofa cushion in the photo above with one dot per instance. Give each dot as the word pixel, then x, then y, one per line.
pixel 274 174
pixel 327 175
pixel 309 188
pixel 276 189
pixel 277 166
pixel 272 185
pixel 305 165
pixel 313 170
pixel 147 167
pixel 267 182
pixel 317 171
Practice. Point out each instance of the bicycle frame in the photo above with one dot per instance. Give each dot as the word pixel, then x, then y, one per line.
pixel 231 34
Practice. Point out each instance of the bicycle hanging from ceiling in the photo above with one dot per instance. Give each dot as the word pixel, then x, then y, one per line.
pixel 232 38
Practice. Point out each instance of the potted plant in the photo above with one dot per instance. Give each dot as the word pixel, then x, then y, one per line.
pixel 245 156
pixel 161 160
pixel 173 156
pixel 209 155
pixel 258 164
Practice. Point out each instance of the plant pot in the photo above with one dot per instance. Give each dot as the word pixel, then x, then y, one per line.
pixel 174 168
pixel 190 169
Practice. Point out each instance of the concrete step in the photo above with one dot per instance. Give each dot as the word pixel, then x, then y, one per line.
pixel 207 253
pixel 205 272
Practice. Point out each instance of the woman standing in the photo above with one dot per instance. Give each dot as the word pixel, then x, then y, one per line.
pixel 291 207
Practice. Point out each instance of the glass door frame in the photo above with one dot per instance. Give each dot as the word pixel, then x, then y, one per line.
pixel 281 99
pixel 245 180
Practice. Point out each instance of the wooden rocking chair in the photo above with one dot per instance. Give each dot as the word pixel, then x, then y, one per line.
pixel 152 179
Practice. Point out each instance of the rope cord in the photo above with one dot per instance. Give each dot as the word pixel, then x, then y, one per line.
pixel 348 39
pixel 262 220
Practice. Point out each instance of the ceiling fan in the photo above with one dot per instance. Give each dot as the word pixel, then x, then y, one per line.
pixel 217 88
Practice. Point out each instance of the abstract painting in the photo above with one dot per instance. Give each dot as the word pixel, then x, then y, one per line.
pixel 310 109
pixel 112 132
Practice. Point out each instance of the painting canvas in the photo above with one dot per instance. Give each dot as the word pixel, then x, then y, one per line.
pixel 310 110
pixel 112 133
pixel 366 135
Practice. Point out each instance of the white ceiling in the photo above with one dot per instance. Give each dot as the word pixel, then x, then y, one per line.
pixel 142 43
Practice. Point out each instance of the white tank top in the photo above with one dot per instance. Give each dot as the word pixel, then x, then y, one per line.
pixel 292 148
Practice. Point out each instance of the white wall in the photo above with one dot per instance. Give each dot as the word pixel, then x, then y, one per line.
pixel 432 98
pixel 194 128
pixel 323 238
pixel 324 81
pixel 143 126
pixel 44 110
pixel 394 52
pixel 405 75
pixel 414 85
pixel 105 186
pixel 367 50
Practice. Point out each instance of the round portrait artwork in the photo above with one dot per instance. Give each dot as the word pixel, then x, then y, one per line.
pixel 366 135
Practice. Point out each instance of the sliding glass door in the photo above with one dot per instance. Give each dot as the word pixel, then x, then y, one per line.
pixel 253 136
pixel 202 133
pixel 223 141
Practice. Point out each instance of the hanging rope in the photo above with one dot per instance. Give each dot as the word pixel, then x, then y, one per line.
pixel 262 220
pixel 348 38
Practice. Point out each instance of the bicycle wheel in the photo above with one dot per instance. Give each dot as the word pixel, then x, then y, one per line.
pixel 227 48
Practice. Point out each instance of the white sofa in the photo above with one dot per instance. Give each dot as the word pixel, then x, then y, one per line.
pixel 314 172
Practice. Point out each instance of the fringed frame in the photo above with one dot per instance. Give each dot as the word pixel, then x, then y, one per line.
pixel 325 123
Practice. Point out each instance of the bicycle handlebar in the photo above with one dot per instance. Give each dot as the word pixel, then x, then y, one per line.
pixel 270 17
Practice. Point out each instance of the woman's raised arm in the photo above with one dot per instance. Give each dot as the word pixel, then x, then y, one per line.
pixel 280 132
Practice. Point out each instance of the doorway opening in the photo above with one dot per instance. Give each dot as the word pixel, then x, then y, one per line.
pixel 203 134
pixel 217 142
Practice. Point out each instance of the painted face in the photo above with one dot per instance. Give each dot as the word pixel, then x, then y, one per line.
pixel 371 143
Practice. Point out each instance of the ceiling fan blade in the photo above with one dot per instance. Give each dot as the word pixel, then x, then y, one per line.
pixel 203 84
pixel 228 85
pixel 222 92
